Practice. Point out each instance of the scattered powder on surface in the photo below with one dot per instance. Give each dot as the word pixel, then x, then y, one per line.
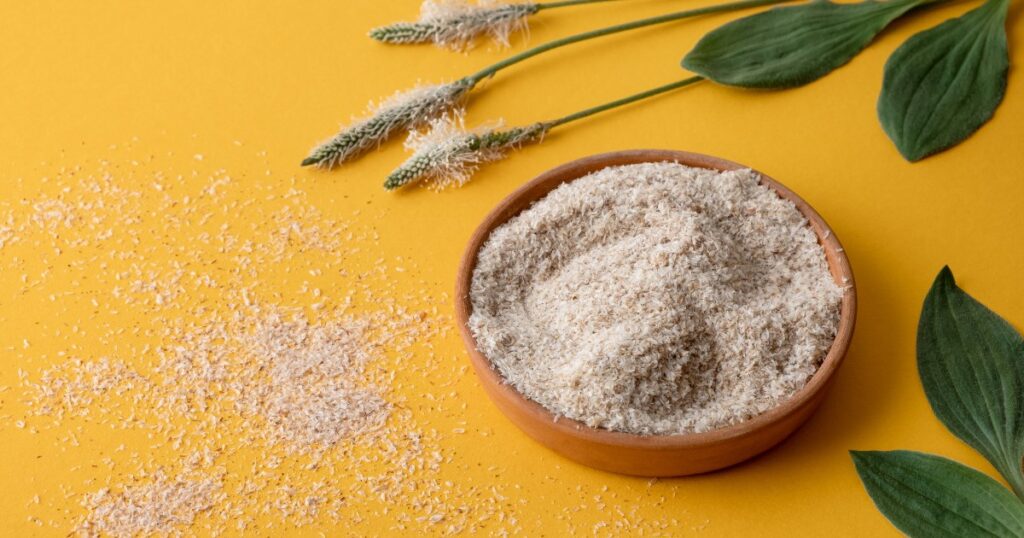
pixel 305 383
pixel 160 506
pixel 229 359
pixel 656 299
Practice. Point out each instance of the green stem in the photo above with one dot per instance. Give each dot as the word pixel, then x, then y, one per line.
pixel 566 3
pixel 624 101
pixel 732 6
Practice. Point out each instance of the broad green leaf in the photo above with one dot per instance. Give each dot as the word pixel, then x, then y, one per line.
pixel 971 363
pixel 791 46
pixel 928 496
pixel 945 83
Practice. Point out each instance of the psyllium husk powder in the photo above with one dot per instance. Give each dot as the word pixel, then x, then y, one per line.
pixel 656 298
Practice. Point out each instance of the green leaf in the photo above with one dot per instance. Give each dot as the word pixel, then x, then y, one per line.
pixel 971 363
pixel 945 83
pixel 928 496
pixel 791 46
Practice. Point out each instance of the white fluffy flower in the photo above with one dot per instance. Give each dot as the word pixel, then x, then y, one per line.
pixel 446 154
pixel 404 110
pixel 456 24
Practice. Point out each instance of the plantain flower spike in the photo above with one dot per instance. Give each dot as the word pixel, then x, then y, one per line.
pixel 456 24
pixel 404 110
pixel 447 155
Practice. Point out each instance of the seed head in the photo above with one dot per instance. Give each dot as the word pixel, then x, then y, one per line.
pixel 404 110
pixel 456 24
pixel 447 154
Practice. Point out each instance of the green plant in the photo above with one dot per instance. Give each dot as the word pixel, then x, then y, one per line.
pixel 408 110
pixel 939 87
pixel 971 363
pixel 791 46
pixel 944 83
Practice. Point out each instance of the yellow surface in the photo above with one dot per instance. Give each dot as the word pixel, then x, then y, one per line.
pixel 135 83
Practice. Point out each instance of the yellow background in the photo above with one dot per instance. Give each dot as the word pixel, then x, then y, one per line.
pixel 191 77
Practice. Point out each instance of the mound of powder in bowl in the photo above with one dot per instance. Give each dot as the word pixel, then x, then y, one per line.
pixel 655 298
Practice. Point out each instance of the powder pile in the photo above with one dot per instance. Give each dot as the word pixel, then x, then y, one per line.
pixel 656 299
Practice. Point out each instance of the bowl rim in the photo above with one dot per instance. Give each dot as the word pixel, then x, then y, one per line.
pixel 525 196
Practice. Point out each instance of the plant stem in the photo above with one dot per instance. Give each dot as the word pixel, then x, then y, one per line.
pixel 624 101
pixel 732 6
pixel 566 3
pixel 459 155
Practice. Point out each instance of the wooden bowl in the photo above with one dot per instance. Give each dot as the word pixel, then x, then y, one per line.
pixel 654 455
